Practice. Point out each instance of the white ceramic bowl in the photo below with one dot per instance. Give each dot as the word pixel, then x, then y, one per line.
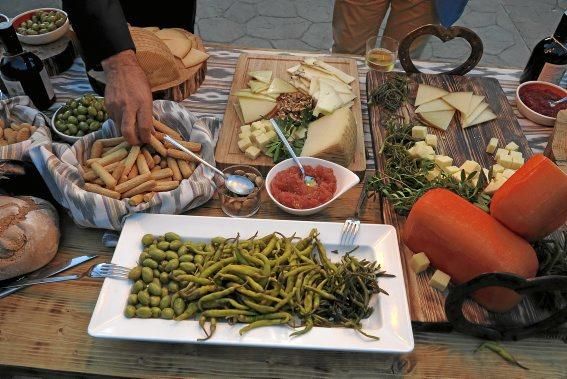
pixel 531 114
pixel 67 138
pixel 346 179
pixel 40 39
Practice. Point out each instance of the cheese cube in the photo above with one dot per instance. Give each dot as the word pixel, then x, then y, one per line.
pixel 258 125
pixel 492 145
pixel 512 147
pixel 246 128
pixel 244 144
pixel 256 132
pixel 470 166
pixel 500 153
pixel 431 140
pixel 499 176
pixel 458 175
pixel 443 161
pixel 508 173
pixel 271 134
pixel 497 168
pixel 421 143
pixel 440 280
pixel 485 171
pixel 506 161
pixel 252 152
pixel 262 140
pixel 419 262
pixel 432 174
pixel 517 163
pixel 244 135
pixel 419 132
pixel 451 170
pixel 494 185
pixel 516 154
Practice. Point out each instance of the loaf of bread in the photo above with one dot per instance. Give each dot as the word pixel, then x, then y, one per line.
pixel 29 234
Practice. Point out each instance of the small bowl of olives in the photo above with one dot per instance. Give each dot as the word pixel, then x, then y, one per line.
pixel 79 117
pixel 41 26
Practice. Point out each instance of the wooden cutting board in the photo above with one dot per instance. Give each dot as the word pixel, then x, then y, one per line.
pixel 227 151
pixel 426 303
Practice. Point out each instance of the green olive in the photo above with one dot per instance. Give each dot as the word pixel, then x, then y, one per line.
pixel 186 258
pixel 147 239
pixel 182 250
pixel 178 306
pixel 147 274
pixel 130 311
pixel 43 30
pixel 80 133
pixel 81 109
pixel 156 312
pixel 154 300
pixel 144 297
pixel 169 255
pixel 143 256
pixel 73 104
pixel 172 265
pixel 92 110
pixel 135 273
pixel 66 114
pixel 173 287
pixel 83 126
pixel 148 262
pixel 138 286
pixel 188 267
pixel 157 255
pixel 154 289
pixel 167 313
pixel 100 116
pixel 165 302
pixel 99 105
pixel 198 259
pixel 61 126
pixel 144 312
pixel 82 117
pixel 132 299
pixel 163 245
pixel 175 245
pixel 156 272
pixel 170 236
pixel 176 273
pixel 72 119
pixel 59 22
pixel 72 129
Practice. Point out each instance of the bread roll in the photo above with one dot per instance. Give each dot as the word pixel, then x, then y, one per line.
pixel 29 234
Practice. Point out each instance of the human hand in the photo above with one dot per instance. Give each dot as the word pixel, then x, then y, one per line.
pixel 128 97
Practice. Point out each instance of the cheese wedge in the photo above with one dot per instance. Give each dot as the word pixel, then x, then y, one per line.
pixel 332 137
pixel 439 119
pixel 485 116
pixel 427 93
pixel 335 71
pixel 328 100
pixel 434 106
pixel 263 76
pixel 346 98
pixel 467 120
pixel 179 47
pixel 280 86
pixel 314 88
pixel 300 86
pixel 170 34
pixel 257 86
pixel 254 109
pixel 461 101
pixel 194 57
pixel 251 95
pixel 475 102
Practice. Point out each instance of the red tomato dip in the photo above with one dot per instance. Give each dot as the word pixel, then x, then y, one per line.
pixel 537 98
pixel 288 187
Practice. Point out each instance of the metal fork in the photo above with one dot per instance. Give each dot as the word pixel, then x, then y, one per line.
pixel 352 225
pixel 100 270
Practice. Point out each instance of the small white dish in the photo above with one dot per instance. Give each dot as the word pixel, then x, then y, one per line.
pixel 40 39
pixel 346 179
pixel 529 113
pixel 65 137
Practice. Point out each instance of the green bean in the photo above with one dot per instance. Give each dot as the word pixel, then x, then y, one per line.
pixel 260 323
pixel 256 295
pixel 215 296
pixel 240 258
pixel 298 270
pixel 193 279
pixel 241 270
pixel 218 240
pixel 254 284
pixel 232 278
pixel 270 246
pixel 188 313
pixel 201 291
pixel 308 327
pixel 259 307
pixel 226 312
pixel 216 267
pixel 285 256
pixel 285 300
pixel 323 256
pixel 268 316
pixel 323 294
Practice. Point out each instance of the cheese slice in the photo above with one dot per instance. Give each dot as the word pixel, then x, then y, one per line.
pixel 251 95
pixel 332 137
pixel 479 109
pixel 170 34
pixel 439 119
pixel 314 88
pixel 263 76
pixel 339 86
pixel 427 93
pixel 281 86
pixel 346 98
pixel 257 86
pixel 194 57
pixel 485 116
pixel 475 102
pixel 343 76
pixel 328 100
pixel 179 47
pixel 299 85
pixel 310 73
pixel 433 106
pixel 461 101
pixel 293 69
pixel 254 109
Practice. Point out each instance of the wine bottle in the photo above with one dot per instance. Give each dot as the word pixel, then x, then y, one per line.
pixel 548 61
pixel 22 72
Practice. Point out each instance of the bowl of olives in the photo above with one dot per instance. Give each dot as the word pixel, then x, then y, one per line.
pixel 41 26
pixel 79 117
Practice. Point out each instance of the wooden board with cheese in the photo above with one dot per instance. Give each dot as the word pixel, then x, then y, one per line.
pixel 474 144
pixel 258 82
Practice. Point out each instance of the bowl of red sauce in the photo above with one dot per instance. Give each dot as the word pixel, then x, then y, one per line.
pixel 532 99
pixel 286 188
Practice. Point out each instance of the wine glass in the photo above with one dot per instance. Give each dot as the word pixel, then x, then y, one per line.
pixel 381 53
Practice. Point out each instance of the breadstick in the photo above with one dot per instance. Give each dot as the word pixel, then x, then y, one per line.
pixel 158 146
pixel 115 148
pixel 163 173
pixel 149 196
pixel 99 182
pixel 166 186
pixel 159 135
pixel 142 164
pixel 193 146
pixel 178 154
pixel 144 187
pixel 160 126
pixel 135 200
pixel 114 157
pixel 133 172
pixel 149 158
pixel 101 191
pixel 108 179
pixel 128 185
pixel 185 168
pixel 118 171
pixel 90 175
pixel 172 164
pixel 111 142
pixel 163 163
pixel 96 149
pixel 157 159
pixel 131 159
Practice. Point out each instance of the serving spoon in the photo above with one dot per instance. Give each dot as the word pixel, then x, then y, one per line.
pixel 552 104
pixel 308 180
pixel 237 184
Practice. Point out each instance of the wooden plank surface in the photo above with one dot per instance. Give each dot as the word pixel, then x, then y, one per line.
pixel 43 333
pixel 227 152
pixel 426 303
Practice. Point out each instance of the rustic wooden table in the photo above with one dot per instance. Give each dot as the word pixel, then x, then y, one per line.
pixel 43 329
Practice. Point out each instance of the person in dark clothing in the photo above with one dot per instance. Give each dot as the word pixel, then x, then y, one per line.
pixel 102 28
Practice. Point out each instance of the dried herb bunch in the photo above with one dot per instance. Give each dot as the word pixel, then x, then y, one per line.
pixel 295 130
pixel 391 94
pixel 552 257
pixel 404 180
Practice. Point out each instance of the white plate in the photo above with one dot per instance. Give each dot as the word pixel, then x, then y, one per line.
pixel 390 320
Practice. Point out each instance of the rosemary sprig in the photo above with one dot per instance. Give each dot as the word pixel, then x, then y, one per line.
pixel 276 149
pixel 391 94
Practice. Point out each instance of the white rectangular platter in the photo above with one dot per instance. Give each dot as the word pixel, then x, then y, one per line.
pixel 390 320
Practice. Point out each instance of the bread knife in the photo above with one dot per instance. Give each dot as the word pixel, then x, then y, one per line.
pixel 45 272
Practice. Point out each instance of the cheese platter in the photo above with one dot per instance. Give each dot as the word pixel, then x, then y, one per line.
pixel 468 132
pixel 316 103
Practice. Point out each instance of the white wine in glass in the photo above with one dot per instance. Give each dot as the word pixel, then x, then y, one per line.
pixel 381 53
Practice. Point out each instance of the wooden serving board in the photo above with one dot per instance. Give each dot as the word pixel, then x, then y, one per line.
pixel 227 151
pixel 426 303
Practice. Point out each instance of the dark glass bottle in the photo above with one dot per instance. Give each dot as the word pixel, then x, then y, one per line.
pixel 548 61
pixel 22 72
